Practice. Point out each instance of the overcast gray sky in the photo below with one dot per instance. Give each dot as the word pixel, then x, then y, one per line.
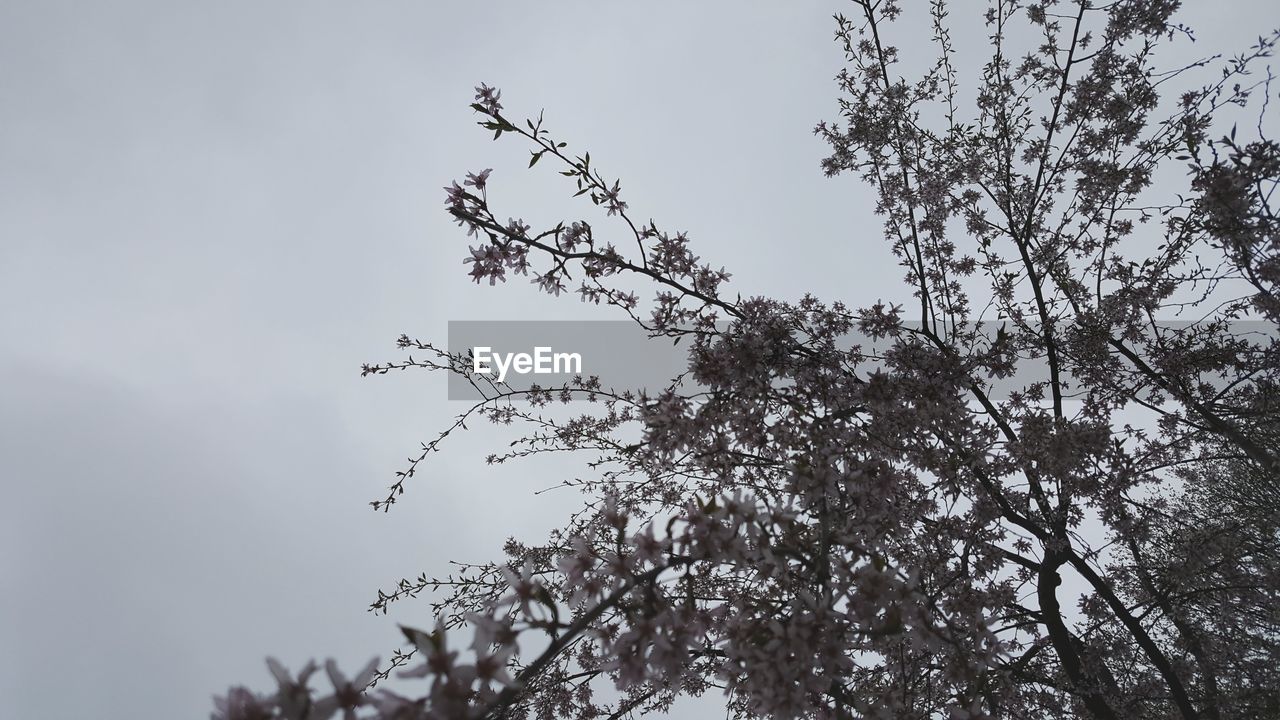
pixel 212 213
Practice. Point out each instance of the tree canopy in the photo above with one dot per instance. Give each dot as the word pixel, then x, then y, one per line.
pixel 822 531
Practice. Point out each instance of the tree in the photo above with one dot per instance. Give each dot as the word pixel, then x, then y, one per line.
pixel 818 537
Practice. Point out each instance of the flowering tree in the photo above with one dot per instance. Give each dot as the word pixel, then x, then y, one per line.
pixel 819 531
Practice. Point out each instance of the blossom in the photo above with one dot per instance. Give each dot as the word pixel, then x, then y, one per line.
pixel 439 659
pixel 491 631
pixel 348 695
pixel 613 204
pixel 568 238
pixel 487 98
pixel 242 704
pixel 455 196
pixel 577 563
pixel 491 665
pixel 393 706
pixel 487 261
pixel 478 180
pixel 549 282
pixel 293 695
pixel 524 588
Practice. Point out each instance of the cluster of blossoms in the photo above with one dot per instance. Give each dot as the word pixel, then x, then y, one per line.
pixel 664 257
pixel 816 531
pixel 294 698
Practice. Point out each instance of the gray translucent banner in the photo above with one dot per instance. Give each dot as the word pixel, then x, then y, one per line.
pixel 620 353
pixel 623 356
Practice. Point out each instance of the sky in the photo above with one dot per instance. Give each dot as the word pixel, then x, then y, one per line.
pixel 211 214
